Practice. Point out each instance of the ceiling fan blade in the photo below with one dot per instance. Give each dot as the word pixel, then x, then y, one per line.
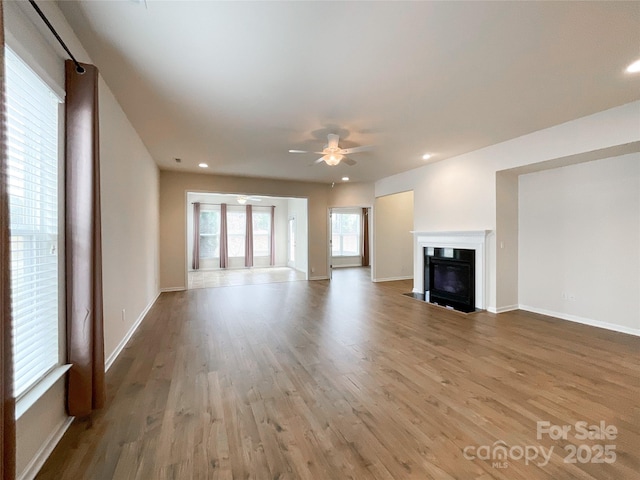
pixel 349 161
pixel 363 148
pixel 332 140
pixel 305 151
pixel 320 160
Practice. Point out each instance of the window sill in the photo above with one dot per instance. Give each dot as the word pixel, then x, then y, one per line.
pixel 39 389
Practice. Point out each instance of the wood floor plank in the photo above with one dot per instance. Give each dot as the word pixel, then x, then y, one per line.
pixel 350 379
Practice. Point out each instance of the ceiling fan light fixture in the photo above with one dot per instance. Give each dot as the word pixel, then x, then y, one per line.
pixel 333 159
pixel 634 67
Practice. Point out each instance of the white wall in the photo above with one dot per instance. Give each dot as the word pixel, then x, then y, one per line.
pixel 352 195
pixel 507 245
pixel 392 238
pixel 130 219
pixel 579 242
pixel 460 193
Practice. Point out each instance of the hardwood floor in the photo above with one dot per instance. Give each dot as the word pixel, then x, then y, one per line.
pixel 350 379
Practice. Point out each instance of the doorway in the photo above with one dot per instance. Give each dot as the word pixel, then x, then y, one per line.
pixel 243 239
pixel 393 223
pixel 349 237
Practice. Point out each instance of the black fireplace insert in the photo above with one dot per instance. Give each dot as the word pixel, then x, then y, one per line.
pixel 450 278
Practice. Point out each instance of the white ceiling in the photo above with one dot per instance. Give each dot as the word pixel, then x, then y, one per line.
pixel 238 84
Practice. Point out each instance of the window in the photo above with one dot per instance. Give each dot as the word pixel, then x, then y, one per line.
pixel 236 230
pixel 292 240
pixel 209 233
pixel 261 234
pixel 32 150
pixel 345 234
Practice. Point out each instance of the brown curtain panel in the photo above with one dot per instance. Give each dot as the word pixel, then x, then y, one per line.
pixel 365 237
pixel 272 237
pixel 85 339
pixel 224 250
pixel 195 262
pixel 248 238
pixel 7 415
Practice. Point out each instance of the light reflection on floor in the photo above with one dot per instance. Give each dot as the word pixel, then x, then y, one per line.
pixel 243 276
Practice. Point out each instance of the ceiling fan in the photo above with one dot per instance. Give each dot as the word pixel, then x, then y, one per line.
pixel 242 199
pixel 332 154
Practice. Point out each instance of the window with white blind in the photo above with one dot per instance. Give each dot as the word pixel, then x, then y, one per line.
pixel 261 234
pixel 236 230
pixel 345 234
pixel 210 233
pixel 32 150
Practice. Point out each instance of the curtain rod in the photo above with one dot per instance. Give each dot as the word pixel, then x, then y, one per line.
pixel 232 205
pixel 79 68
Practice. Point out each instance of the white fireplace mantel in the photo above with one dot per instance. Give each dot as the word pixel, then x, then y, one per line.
pixel 468 239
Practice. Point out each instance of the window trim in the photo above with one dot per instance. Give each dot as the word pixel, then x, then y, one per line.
pixel 341 235
pixel 42 386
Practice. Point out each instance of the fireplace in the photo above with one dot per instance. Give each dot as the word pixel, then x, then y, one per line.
pixel 450 278
pixel 474 240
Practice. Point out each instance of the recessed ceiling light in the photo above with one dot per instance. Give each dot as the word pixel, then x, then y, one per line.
pixel 426 156
pixel 634 67
pixel 345 179
pixel 203 165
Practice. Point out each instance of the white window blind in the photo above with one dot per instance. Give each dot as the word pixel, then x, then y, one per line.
pixel 210 233
pixel 236 229
pixel 32 150
pixel 261 234
pixel 345 234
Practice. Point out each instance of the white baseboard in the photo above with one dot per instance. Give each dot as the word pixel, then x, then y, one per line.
pixel 416 290
pixel 323 277
pixel 393 279
pixel 36 463
pixel 507 308
pixel 583 320
pixel 172 289
pixel 127 337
